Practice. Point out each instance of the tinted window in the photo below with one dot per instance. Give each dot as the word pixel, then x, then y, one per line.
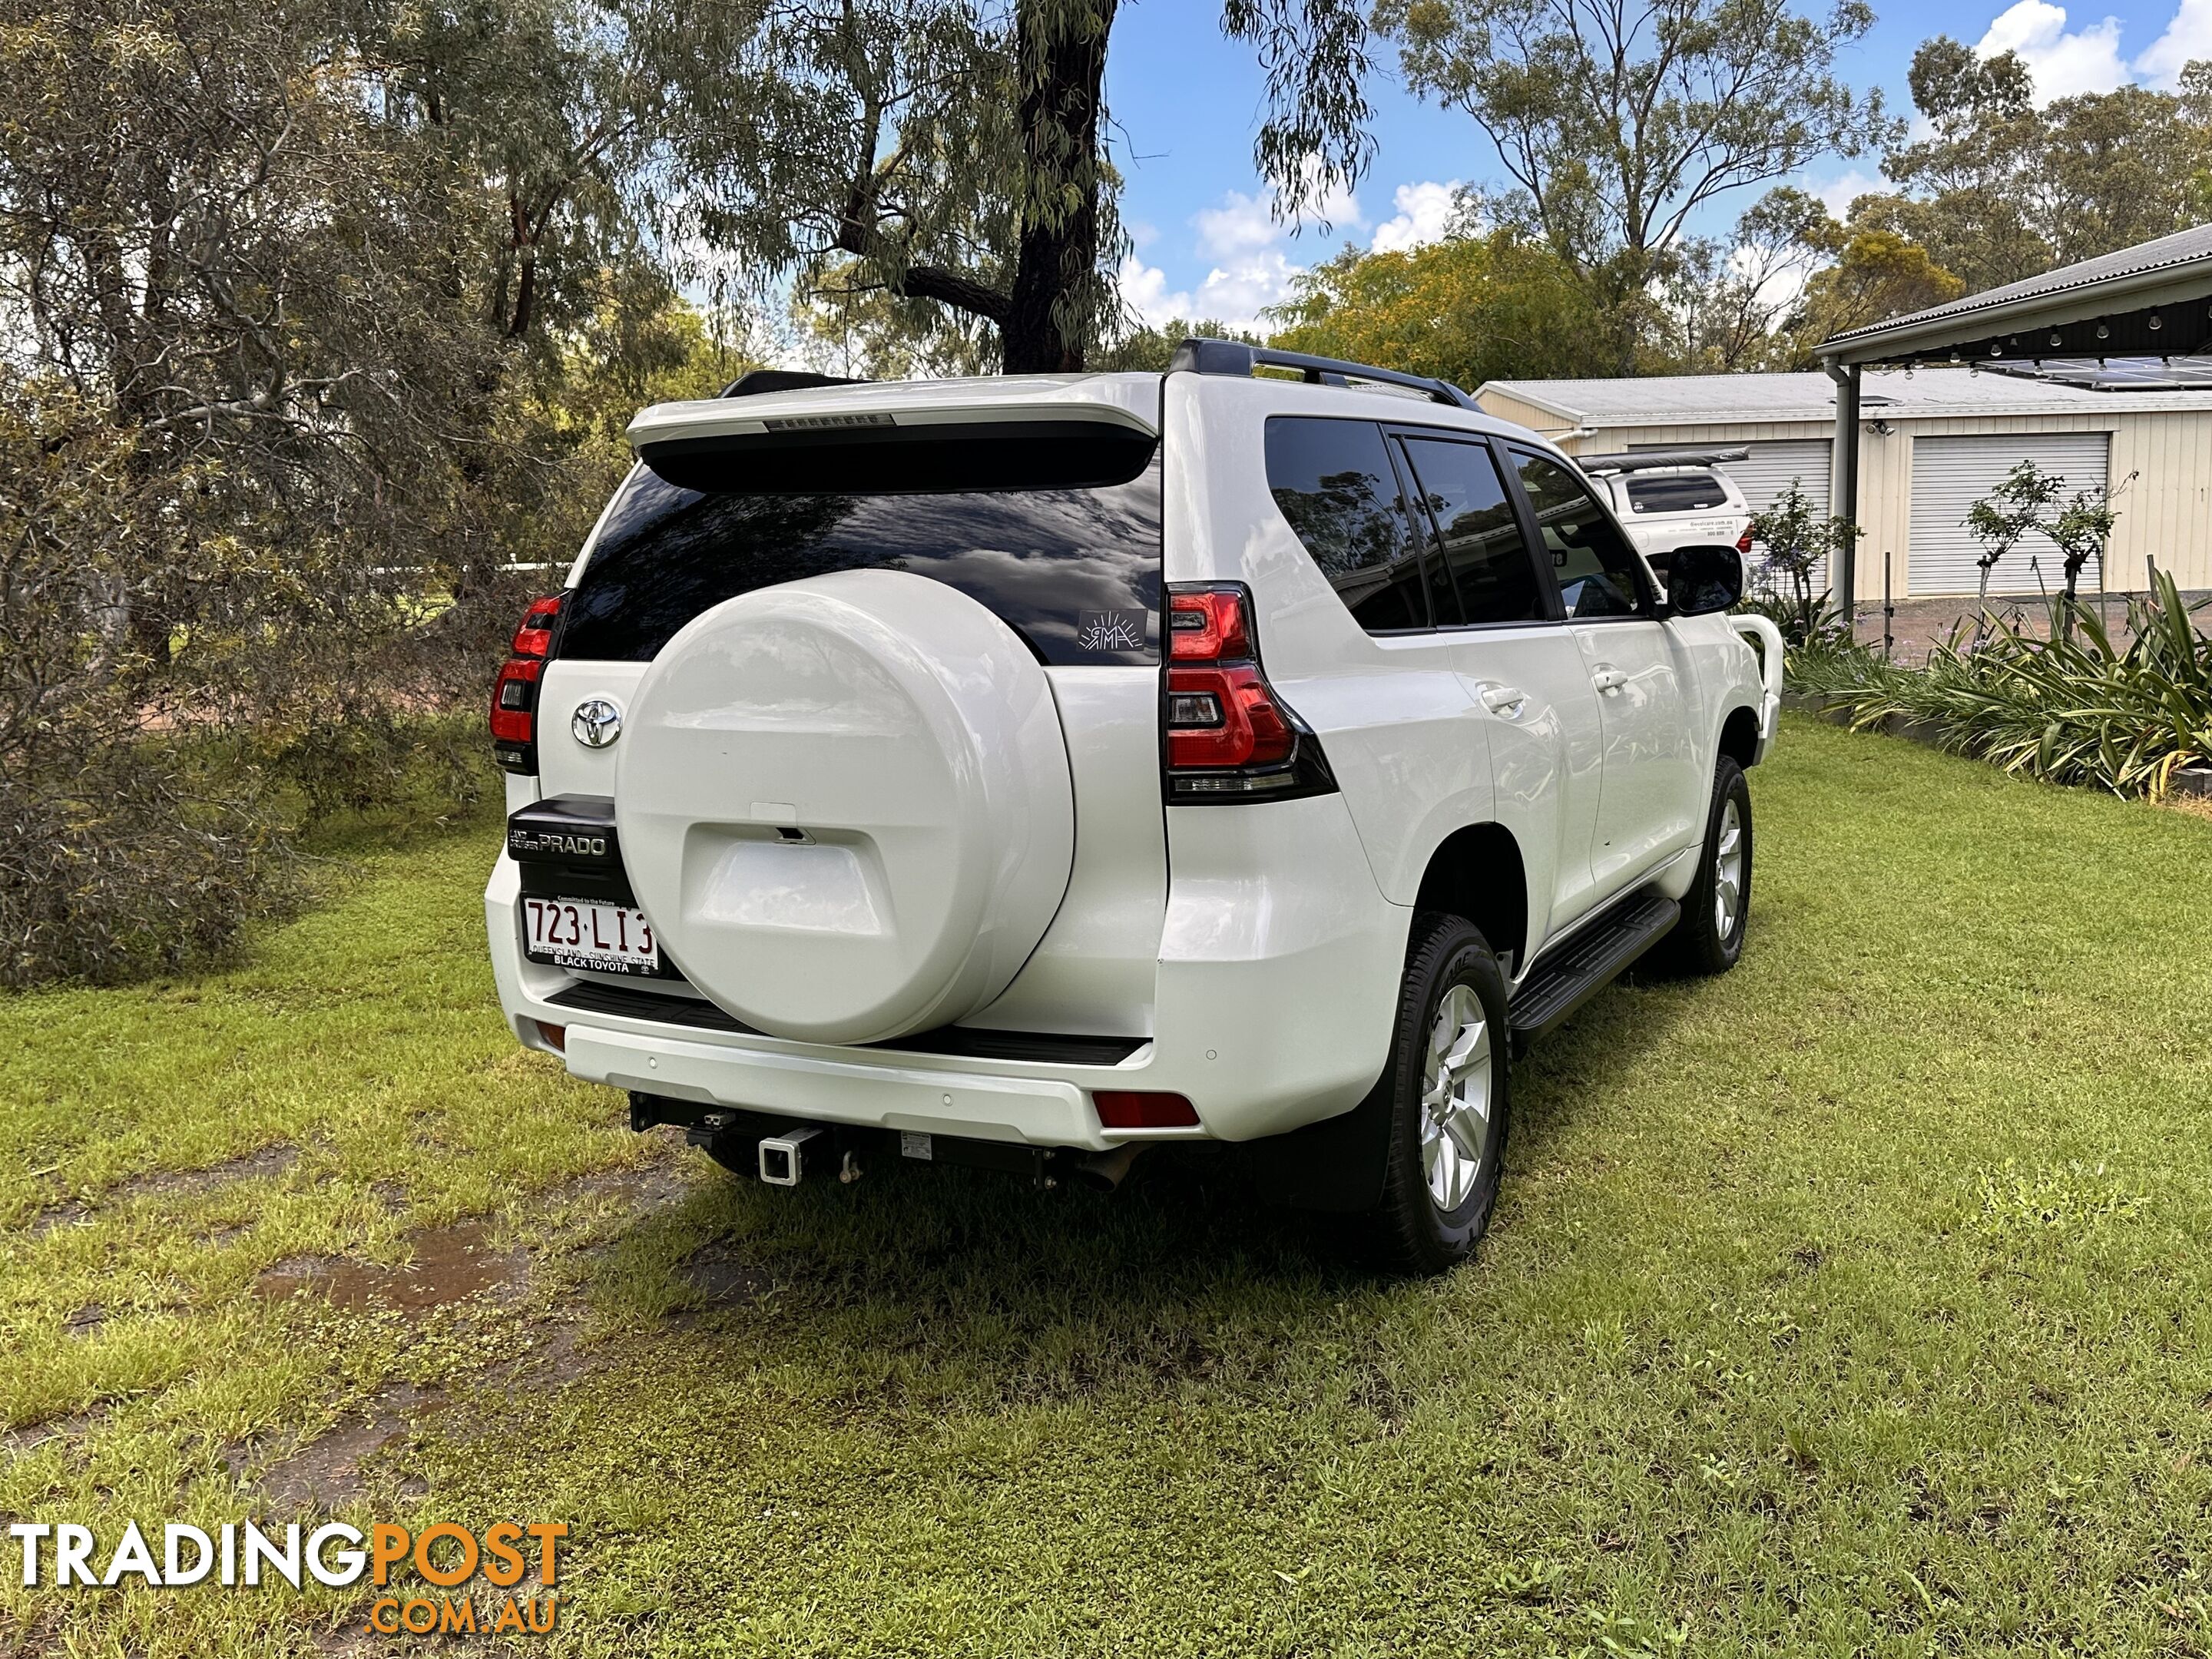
pixel 1486 561
pixel 1589 558
pixel 1075 572
pixel 1334 483
pixel 1673 492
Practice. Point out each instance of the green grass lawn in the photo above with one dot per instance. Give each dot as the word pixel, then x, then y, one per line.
pixel 1855 1303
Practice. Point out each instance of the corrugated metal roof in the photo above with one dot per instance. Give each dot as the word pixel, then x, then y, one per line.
pixel 2121 271
pixel 1888 394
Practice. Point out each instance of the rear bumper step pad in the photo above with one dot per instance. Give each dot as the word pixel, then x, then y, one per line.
pixel 1563 980
pixel 960 1041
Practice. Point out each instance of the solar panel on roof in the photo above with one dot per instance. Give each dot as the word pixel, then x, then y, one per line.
pixel 2117 373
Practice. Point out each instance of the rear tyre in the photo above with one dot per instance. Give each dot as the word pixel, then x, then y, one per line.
pixel 1443 1097
pixel 1710 936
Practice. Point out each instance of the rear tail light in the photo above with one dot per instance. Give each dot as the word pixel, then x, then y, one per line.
pixel 515 691
pixel 1134 1109
pixel 1229 737
pixel 1743 542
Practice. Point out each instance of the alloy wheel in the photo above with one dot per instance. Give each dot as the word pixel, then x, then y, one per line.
pixel 1455 1098
pixel 1728 872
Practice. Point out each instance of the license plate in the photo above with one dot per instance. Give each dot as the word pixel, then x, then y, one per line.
pixel 581 934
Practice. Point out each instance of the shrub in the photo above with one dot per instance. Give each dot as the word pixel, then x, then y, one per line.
pixel 2072 708
pixel 1798 541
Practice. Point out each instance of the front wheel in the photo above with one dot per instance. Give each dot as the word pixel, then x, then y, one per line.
pixel 1443 1096
pixel 1710 936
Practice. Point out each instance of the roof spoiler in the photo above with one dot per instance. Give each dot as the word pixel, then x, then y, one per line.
pixel 1205 356
pixel 1646 460
pixel 755 381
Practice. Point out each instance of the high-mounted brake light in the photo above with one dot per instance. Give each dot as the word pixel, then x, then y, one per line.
pixel 515 691
pixel 1230 737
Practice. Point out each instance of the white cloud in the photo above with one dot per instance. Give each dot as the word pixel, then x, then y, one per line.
pixel 1240 224
pixel 2187 35
pixel 1234 292
pixel 2062 64
pixel 1424 211
pixel 1244 239
pixel 1837 194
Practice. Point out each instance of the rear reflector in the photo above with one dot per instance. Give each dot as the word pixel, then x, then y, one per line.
pixel 556 1037
pixel 1131 1109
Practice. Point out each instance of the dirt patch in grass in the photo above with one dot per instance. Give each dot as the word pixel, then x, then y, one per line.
pixel 21 1443
pixel 719 1278
pixel 272 1160
pixel 648 1187
pixel 177 1183
pixel 329 1472
pixel 446 1265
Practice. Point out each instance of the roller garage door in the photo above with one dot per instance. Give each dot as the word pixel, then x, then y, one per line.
pixel 1770 466
pixel 1949 475
pixel 1767 473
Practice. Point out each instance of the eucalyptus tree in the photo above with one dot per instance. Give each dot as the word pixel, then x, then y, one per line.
pixel 1999 188
pixel 1619 122
pixel 945 162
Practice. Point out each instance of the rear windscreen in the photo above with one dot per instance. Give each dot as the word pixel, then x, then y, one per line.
pixel 1675 492
pixel 1074 570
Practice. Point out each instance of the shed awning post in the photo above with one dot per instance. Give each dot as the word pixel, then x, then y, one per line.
pixel 1847 486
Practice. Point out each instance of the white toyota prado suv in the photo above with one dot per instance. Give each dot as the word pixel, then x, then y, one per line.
pixel 1025 772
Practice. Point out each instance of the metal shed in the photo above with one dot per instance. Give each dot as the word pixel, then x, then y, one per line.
pixel 2140 315
pixel 1930 442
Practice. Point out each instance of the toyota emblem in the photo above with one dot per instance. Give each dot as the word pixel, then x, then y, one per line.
pixel 596 722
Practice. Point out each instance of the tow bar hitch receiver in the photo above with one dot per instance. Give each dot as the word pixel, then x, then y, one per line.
pixel 783 1157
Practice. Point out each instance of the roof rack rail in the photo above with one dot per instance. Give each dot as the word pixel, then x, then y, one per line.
pixel 1647 460
pixel 1205 356
pixel 754 381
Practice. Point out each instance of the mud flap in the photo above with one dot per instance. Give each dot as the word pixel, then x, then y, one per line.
pixel 1333 1165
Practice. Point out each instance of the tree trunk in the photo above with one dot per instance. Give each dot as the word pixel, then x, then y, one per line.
pixel 1055 268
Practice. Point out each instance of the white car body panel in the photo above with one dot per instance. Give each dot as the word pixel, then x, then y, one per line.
pixel 1547 756
pixel 1252 949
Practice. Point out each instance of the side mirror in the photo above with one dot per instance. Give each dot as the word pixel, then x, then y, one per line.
pixel 1704 577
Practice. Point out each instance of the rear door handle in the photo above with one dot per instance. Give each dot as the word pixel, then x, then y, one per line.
pixel 1606 678
pixel 1504 700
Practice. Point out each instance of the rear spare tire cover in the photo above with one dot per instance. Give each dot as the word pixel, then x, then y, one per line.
pixel 844 804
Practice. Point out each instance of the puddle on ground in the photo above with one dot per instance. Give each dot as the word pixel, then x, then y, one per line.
pixel 447 1265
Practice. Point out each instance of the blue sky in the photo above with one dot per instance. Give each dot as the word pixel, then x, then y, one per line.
pixel 1188 102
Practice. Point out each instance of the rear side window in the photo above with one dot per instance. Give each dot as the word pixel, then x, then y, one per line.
pixel 1074 571
pixel 1675 492
pixel 1590 558
pixel 1334 483
pixel 1487 563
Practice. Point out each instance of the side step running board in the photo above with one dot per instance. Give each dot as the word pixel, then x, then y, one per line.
pixel 1563 980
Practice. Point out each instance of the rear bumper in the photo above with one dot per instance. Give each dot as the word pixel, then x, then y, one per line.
pixel 1273 1009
